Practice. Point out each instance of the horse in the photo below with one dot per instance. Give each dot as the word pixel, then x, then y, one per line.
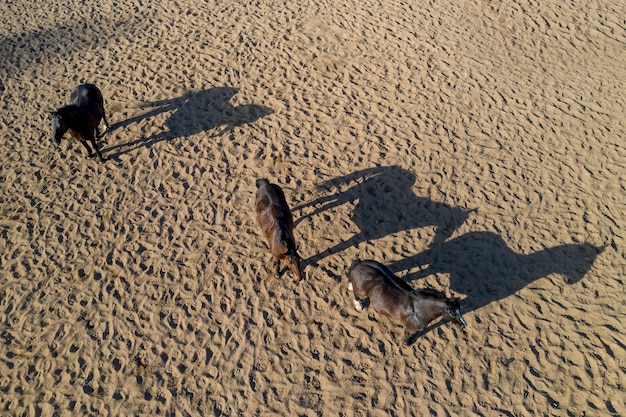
pixel 81 117
pixel 394 298
pixel 276 222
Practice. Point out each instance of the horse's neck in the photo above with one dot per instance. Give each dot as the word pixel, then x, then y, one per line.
pixel 282 236
pixel 432 307
pixel 72 114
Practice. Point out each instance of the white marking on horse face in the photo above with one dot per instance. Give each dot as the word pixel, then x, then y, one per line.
pixel 358 306
pixel 350 286
pixel 460 318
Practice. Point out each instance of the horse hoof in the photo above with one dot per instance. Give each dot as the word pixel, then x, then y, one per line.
pixel 408 341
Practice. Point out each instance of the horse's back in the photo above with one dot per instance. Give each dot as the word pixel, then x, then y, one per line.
pixel 373 280
pixel 275 220
pixel 370 272
pixel 271 202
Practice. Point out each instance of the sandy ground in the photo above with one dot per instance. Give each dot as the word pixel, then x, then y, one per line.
pixel 476 147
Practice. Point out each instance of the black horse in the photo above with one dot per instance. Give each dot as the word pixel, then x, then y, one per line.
pixel 81 118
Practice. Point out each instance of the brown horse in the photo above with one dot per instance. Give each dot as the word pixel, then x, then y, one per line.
pixel 394 298
pixel 274 218
pixel 81 117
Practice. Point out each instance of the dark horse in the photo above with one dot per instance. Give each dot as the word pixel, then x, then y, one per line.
pixel 81 117
pixel 274 218
pixel 394 298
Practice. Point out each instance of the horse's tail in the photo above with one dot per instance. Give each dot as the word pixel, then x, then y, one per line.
pixel 261 182
pixel 352 265
pixel 433 293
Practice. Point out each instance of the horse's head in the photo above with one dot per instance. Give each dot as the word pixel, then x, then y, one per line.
pixel 282 240
pixel 58 127
pixel 294 262
pixel 453 312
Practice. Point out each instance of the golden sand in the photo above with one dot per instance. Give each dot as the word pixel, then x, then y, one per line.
pixel 476 147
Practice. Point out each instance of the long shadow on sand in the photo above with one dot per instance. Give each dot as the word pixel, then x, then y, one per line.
pixel 485 269
pixel 385 204
pixel 192 113
pixel 23 50
pixel 480 264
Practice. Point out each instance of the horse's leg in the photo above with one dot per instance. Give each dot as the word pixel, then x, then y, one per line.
pixel 93 142
pixel 358 304
pixel 104 119
pixel 412 331
pixel 100 104
pixel 86 145
pixel 96 132
pixel 277 267
pixel 409 339
pixel 106 127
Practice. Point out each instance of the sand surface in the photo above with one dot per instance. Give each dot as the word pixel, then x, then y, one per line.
pixel 475 147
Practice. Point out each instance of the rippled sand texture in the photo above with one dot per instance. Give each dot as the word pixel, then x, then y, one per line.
pixel 474 147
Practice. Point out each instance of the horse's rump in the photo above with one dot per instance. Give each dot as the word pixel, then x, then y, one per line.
pixel 86 94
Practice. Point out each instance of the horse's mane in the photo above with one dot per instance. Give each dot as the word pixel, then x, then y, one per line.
pixel 261 182
pixel 286 240
pixel 431 293
pixel 452 303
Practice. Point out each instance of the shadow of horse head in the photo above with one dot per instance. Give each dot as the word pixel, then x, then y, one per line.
pixel 192 113
pixel 385 204
pixel 485 269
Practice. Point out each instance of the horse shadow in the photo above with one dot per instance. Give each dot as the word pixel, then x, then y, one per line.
pixel 193 112
pixel 485 269
pixel 385 204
